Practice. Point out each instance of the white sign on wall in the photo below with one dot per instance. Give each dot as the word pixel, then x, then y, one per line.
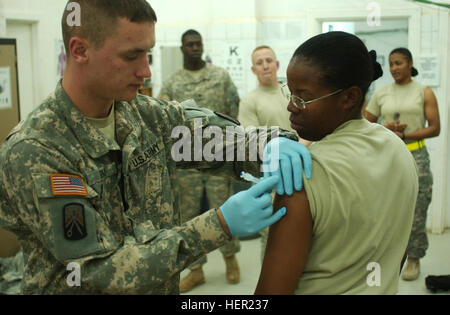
pixel 234 64
pixel 5 88
pixel 235 58
pixel 429 69
pixel 60 59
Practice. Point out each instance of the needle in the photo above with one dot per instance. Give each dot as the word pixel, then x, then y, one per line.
pixel 250 178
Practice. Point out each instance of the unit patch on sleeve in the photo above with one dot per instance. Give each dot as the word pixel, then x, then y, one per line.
pixel 67 185
pixel 74 222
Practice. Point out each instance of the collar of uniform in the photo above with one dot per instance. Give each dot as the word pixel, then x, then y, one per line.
pixel 350 125
pixel 127 124
pixel 95 143
pixel 202 73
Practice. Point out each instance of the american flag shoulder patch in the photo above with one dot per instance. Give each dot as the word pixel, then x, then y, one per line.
pixel 67 185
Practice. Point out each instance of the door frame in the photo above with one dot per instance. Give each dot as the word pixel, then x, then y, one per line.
pixel 33 21
pixel 315 17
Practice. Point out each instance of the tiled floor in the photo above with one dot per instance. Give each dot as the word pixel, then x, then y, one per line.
pixel 436 262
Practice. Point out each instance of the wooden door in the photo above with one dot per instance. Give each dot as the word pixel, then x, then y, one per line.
pixel 9 118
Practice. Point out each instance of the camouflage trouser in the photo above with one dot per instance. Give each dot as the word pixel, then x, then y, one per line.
pixel 418 240
pixel 191 186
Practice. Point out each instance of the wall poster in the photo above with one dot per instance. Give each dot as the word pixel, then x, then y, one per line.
pixel 5 88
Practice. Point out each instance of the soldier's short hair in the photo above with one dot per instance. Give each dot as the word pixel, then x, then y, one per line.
pixel 263 47
pixel 189 32
pixel 99 19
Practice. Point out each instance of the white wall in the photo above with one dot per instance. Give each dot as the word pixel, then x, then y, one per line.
pixel 2 20
pixel 435 40
pixel 44 16
pixel 283 24
pixel 444 17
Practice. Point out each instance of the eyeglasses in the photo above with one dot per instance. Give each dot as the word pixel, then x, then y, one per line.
pixel 295 99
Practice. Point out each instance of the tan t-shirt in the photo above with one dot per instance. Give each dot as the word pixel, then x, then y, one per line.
pixel 362 195
pixel 264 106
pixel 106 125
pixel 407 100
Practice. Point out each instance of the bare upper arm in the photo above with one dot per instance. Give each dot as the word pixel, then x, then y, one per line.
pixel 431 109
pixel 370 117
pixel 287 247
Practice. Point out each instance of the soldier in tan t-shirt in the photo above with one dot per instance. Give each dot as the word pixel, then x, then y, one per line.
pixel 346 232
pixel 265 105
pixel 405 107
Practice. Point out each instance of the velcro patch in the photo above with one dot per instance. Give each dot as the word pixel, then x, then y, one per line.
pixel 67 185
pixel 74 222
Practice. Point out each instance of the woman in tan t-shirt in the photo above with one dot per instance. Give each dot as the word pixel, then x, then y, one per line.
pixel 405 107
pixel 346 231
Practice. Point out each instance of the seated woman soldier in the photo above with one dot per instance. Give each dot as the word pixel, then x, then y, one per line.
pixel 347 230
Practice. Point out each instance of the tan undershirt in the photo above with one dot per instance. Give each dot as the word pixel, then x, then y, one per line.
pixel 106 125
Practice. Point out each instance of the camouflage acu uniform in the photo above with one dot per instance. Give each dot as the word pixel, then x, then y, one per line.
pixel 11 274
pixel 418 241
pixel 132 240
pixel 214 89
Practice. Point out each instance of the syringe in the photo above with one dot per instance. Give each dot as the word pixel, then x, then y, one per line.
pixel 250 178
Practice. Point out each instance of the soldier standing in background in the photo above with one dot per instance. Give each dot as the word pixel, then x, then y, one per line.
pixel 411 111
pixel 210 86
pixel 265 105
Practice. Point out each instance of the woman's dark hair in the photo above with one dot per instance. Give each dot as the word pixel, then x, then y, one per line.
pixel 405 52
pixel 343 59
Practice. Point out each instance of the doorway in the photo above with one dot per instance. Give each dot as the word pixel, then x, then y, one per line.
pixel 390 34
pixel 23 33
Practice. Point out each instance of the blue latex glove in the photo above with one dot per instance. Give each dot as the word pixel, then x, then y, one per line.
pixel 250 211
pixel 286 159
